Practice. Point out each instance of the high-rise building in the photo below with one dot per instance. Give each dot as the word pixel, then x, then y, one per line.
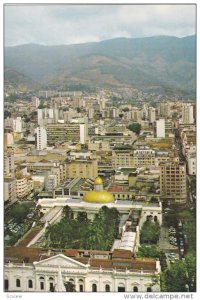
pixel 160 128
pixel 83 133
pixel 41 138
pixel 187 114
pixel 191 162
pixel 152 114
pixel 17 124
pixel 51 182
pixel 91 113
pixel 8 139
pixel 164 109
pixel 9 189
pixel 35 101
pixel 23 185
pixel 9 165
pixel 74 132
pixel 173 182
pixel 40 117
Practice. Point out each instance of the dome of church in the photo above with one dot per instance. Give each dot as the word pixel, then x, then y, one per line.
pixel 99 197
pixel 98 181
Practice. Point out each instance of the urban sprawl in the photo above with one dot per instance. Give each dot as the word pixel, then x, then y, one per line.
pixel 99 192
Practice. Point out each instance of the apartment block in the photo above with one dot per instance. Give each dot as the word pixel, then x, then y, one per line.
pixel 122 158
pixel 160 128
pixel 23 186
pixel 173 182
pixel 41 138
pixel 144 157
pixel 60 133
pixel 83 168
pixel 187 114
pixel 9 189
pixel 9 164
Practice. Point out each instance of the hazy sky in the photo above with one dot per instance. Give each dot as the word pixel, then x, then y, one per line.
pixel 70 24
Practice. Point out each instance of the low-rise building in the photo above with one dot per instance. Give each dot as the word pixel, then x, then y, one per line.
pixel 40 270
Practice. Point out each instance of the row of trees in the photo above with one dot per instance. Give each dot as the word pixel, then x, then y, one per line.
pixel 82 233
pixel 181 276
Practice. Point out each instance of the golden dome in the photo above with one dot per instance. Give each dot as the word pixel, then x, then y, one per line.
pixel 98 181
pixel 99 197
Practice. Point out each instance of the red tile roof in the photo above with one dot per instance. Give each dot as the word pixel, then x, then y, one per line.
pixel 121 259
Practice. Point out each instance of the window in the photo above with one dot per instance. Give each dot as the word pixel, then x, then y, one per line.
pixel 30 284
pixel 149 289
pixel 121 289
pixel 94 287
pixel 51 287
pixel 135 289
pixel 42 285
pixel 6 284
pixel 18 283
pixel 107 288
pixel 81 288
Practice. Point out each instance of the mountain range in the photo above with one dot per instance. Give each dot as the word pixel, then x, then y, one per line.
pixel 153 63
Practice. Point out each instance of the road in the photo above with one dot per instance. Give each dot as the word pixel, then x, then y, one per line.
pixel 164 244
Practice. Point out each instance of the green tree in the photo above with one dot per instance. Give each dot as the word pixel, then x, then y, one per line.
pixel 67 212
pixel 150 232
pixel 7 114
pixel 99 234
pixel 19 212
pixel 82 217
pixel 135 127
pixel 70 287
pixel 190 261
pixel 148 251
pixel 78 109
pixel 175 278
pixel 163 260
pixel 125 109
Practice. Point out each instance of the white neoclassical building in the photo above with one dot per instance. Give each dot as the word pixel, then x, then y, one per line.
pixel 33 269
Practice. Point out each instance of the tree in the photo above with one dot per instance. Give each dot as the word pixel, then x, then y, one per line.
pixel 135 127
pixel 70 287
pixel 125 109
pixel 175 278
pixel 27 119
pixel 7 114
pixel 67 212
pixel 163 261
pixel 148 251
pixel 82 217
pixel 41 105
pixel 78 109
pixel 19 212
pixel 150 232
pixel 121 115
pixel 190 261
pixel 82 233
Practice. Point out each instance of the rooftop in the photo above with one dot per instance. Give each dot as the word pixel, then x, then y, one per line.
pixel 118 259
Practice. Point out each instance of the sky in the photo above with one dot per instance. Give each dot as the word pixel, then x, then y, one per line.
pixel 72 24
